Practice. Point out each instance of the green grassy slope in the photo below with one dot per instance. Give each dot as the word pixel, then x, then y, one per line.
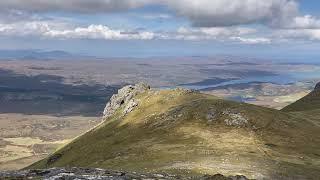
pixel 187 133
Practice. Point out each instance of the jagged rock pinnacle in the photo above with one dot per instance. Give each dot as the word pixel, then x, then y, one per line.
pixel 124 98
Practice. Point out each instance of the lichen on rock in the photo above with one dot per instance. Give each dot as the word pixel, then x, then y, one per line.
pixel 124 98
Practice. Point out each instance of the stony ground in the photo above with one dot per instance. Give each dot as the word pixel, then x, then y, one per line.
pixel 87 173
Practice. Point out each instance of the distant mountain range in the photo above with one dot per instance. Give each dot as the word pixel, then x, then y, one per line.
pixel 37 55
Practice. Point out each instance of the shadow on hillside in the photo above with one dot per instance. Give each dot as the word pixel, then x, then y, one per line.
pixel 48 95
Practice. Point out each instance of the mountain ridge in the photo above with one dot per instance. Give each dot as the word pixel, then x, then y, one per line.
pixel 186 132
pixel 32 54
pixel 308 103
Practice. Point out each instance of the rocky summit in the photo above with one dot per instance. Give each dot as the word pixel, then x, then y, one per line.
pixel 124 98
pixel 101 174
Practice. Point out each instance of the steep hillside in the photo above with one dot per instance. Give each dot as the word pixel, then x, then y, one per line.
pixel 307 108
pixel 189 133
pixel 317 86
pixel 307 103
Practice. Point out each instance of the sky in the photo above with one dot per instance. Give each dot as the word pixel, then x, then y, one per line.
pixel 280 29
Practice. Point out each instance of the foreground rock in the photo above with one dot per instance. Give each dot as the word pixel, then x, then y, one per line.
pixel 99 174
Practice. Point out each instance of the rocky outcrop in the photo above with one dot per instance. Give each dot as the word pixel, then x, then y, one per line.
pixel 124 99
pixel 235 119
pixel 102 174
pixel 317 88
pixel 230 117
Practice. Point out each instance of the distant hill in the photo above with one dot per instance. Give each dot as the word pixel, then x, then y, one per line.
pixel 36 55
pixel 189 133
pixel 307 103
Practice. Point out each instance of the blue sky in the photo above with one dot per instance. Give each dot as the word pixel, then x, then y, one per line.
pixel 279 29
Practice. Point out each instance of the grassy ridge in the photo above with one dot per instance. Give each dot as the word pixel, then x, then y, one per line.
pixel 307 103
pixel 186 133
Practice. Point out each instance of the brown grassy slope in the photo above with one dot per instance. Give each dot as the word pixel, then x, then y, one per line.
pixel 186 133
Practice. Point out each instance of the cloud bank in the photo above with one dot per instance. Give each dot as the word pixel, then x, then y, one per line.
pixel 201 13
pixel 220 20
pixel 48 29
pixel 60 30
pixel 78 6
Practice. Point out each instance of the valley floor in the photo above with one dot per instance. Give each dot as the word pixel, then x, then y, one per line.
pixel 25 139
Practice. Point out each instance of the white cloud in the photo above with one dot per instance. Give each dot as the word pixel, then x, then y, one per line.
pixel 303 22
pixel 235 34
pixel 301 34
pixel 257 40
pixel 213 33
pixel 99 32
pixel 155 16
pixel 24 28
pixel 49 29
pixel 62 30
pixel 231 34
